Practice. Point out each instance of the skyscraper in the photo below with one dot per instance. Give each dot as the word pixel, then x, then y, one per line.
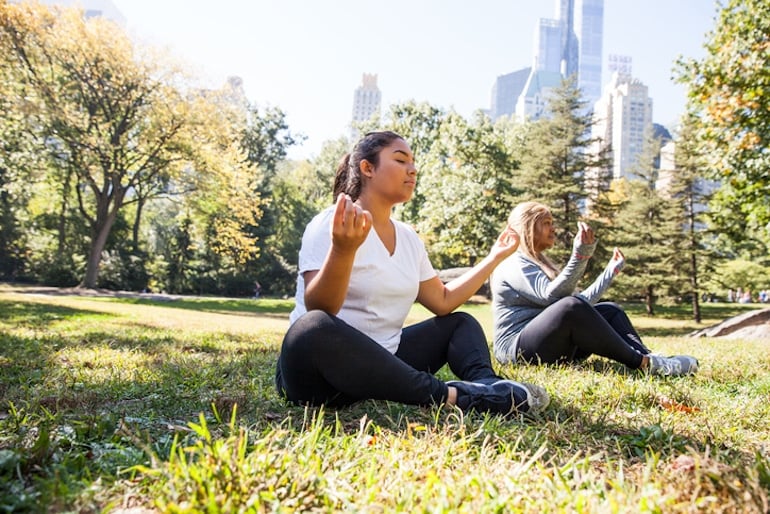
pixel 622 64
pixel 534 98
pixel 366 102
pixel 569 45
pixel 565 13
pixel 589 29
pixel 548 46
pixel 506 91
pixel 621 117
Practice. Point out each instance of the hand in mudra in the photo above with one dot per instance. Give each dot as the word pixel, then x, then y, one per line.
pixel 350 224
pixel 585 234
pixel 507 243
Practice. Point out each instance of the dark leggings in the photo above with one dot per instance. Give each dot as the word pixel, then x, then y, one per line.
pixel 572 329
pixel 326 361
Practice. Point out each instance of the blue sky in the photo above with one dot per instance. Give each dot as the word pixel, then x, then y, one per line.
pixel 307 56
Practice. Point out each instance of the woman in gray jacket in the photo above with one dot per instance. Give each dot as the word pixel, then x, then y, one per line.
pixel 538 316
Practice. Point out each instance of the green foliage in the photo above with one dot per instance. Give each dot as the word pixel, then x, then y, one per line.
pixel 266 140
pixel 468 172
pixel 651 234
pixel 117 129
pixel 732 274
pixel 691 191
pixel 420 125
pixel 729 98
pixel 556 160
pixel 124 271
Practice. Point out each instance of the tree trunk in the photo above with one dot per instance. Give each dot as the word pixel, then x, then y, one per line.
pixel 648 300
pixel 693 261
pixel 105 219
pixel 694 283
pixel 95 253
pixel 62 222
pixel 137 221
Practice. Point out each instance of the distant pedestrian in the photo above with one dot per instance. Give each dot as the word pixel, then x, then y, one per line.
pixel 257 289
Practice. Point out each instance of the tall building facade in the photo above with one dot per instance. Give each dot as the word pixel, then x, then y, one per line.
pixel 548 50
pixel 589 30
pixel 533 99
pixel 570 46
pixel 621 117
pixel 565 13
pixel 506 92
pixel 366 102
pixel 620 64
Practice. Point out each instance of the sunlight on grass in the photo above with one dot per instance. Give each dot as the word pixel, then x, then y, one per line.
pixel 113 403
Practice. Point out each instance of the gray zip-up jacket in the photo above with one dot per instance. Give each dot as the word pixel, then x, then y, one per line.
pixel 521 290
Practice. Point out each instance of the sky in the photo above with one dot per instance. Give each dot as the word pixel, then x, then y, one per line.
pixel 307 57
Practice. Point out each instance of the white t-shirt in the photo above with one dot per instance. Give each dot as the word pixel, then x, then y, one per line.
pixel 382 287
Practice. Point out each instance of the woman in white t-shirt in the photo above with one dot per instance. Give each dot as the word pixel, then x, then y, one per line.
pixel 359 274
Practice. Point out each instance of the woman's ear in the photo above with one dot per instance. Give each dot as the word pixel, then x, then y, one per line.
pixel 367 168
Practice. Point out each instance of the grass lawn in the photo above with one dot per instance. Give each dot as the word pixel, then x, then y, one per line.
pixel 140 405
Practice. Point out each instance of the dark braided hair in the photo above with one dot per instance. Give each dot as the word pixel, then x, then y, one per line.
pixel 348 177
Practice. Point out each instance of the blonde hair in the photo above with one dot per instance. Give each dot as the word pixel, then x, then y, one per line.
pixel 523 219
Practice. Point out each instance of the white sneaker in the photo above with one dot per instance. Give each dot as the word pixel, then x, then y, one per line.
pixel 501 397
pixel 673 366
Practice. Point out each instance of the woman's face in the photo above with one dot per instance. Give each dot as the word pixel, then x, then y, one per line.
pixel 545 233
pixel 395 176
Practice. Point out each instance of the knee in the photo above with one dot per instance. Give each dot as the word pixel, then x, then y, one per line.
pixel 306 328
pixel 463 319
pixel 610 310
pixel 574 306
pixel 611 306
pixel 312 320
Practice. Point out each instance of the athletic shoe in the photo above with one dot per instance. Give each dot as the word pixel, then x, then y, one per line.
pixel 537 397
pixel 676 365
pixel 501 397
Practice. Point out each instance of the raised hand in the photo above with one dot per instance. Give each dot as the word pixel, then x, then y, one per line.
pixel 350 225
pixel 617 261
pixel 585 234
pixel 507 243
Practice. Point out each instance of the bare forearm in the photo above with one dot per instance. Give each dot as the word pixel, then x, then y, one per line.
pixel 459 290
pixel 326 289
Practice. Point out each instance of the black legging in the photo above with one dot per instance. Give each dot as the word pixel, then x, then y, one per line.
pixel 326 361
pixel 572 329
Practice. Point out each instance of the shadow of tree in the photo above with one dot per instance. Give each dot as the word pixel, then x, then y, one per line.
pixel 144 385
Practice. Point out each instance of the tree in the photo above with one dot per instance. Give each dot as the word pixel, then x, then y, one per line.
pixel 652 230
pixel 468 172
pixel 15 174
pixel 556 160
pixel 419 124
pixel 265 140
pixel 113 120
pixel 687 186
pixel 729 100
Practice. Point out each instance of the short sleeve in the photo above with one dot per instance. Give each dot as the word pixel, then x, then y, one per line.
pixel 316 242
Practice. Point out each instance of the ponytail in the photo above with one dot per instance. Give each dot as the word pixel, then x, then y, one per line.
pixel 341 177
